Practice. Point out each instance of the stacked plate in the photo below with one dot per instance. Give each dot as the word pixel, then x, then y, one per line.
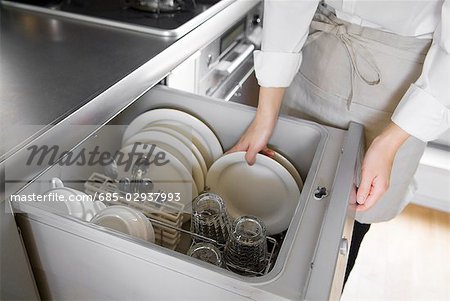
pixel 269 190
pixel 125 220
pixel 178 149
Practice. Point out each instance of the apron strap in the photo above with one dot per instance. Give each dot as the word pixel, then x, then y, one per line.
pixel 326 22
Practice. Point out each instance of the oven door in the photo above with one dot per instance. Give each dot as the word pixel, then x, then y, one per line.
pixel 229 76
pixel 246 92
pixel 241 85
pixel 233 77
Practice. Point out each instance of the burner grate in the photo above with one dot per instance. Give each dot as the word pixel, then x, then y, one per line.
pixel 158 6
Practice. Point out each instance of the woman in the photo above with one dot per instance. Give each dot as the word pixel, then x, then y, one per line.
pixel 384 64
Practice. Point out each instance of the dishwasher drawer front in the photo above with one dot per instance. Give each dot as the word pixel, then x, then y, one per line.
pixel 75 266
pixel 336 233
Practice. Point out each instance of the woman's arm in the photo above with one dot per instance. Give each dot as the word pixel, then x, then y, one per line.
pixel 257 135
pixel 377 166
pixel 285 30
pixel 424 112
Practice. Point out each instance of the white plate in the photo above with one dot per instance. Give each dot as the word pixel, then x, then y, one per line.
pixel 149 231
pixel 82 209
pixel 90 207
pixel 125 220
pixel 81 206
pixel 192 136
pixel 290 167
pixel 266 189
pixel 186 124
pixel 188 142
pixel 172 177
pixel 174 146
pixel 62 206
pixel 120 219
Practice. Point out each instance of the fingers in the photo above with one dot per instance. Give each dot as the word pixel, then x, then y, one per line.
pixel 250 156
pixel 352 198
pixel 236 148
pixel 378 187
pixel 251 152
pixel 252 142
pixel 364 187
pixel 268 152
pixel 376 172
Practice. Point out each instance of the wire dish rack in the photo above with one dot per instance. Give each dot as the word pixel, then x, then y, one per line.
pixel 170 223
pixel 166 217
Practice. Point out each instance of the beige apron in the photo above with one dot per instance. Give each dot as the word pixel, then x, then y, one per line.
pixel 353 73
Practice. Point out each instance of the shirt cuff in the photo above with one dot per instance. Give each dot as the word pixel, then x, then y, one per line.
pixel 421 115
pixel 276 69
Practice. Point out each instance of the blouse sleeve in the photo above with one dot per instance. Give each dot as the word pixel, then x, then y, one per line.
pixel 424 111
pixel 285 30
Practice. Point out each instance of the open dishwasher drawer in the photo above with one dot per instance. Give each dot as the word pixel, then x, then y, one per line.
pixel 75 259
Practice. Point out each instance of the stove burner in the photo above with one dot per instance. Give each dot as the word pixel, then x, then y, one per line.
pixel 157 6
pixel 171 18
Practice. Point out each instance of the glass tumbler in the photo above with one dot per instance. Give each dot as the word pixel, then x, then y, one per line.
pixel 206 252
pixel 209 218
pixel 246 247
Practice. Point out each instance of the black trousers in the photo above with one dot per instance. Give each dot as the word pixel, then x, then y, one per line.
pixel 359 231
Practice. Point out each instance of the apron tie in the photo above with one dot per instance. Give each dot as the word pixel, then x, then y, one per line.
pixel 325 22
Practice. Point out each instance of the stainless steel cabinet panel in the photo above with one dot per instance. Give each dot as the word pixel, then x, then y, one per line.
pixel 16 278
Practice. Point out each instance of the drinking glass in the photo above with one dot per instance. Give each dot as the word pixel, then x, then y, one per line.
pixel 246 247
pixel 206 252
pixel 209 218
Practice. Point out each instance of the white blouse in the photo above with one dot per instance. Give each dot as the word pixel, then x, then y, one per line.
pixel 424 110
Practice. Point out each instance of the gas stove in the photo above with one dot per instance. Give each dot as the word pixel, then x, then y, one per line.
pixel 170 18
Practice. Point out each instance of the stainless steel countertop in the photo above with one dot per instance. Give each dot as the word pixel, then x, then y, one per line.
pixel 62 71
pixel 51 66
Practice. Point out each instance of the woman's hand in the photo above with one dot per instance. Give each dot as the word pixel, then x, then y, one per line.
pixel 377 166
pixel 255 139
pixel 257 135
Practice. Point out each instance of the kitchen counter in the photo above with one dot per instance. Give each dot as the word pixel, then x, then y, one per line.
pixel 51 66
pixel 61 71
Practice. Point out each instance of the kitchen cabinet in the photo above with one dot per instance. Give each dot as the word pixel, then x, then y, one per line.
pixel 16 278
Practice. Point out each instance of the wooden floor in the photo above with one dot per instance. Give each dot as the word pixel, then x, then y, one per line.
pixel 407 258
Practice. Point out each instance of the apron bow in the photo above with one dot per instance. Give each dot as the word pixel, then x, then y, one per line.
pixel 325 22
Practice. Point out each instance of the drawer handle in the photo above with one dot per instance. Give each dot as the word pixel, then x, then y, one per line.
pixel 229 67
pixel 343 248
